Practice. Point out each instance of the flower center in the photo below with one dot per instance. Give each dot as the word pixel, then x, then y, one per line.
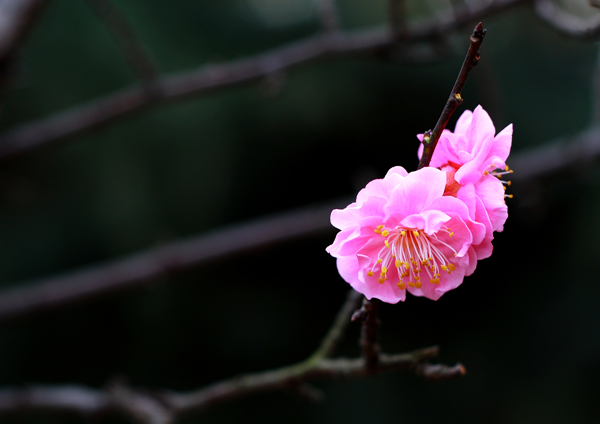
pixel 410 251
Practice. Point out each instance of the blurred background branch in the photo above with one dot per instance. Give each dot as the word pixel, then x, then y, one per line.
pixel 134 50
pixel 210 78
pixel 29 298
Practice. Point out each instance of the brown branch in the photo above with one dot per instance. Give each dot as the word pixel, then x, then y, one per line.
pixel 140 268
pixel 133 49
pixel 207 79
pixel 574 26
pixel 431 138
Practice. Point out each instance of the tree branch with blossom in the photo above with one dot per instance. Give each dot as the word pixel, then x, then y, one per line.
pixel 431 138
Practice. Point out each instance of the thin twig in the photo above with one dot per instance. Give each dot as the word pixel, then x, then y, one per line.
pixel 133 49
pixel 137 269
pixel 431 138
pixel 292 375
pixel 207 79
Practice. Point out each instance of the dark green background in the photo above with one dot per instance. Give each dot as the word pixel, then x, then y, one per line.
pixel 526 324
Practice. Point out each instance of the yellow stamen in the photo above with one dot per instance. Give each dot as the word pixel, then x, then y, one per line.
pixel 411 284
pixel 401 285
pixel 370 273
pixel 416 233
pixel 381 280
pixel 379 261
pixel 444 267
pixel 385 233
pixel 383 270
pixel 451 267
pixel 398 263
pixel 387 244
pixel 418 284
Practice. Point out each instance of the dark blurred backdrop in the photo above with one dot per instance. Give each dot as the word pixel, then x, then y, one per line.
pixel 526 325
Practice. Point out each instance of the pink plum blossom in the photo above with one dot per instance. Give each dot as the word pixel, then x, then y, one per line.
pixel 473 156
pixel 402 234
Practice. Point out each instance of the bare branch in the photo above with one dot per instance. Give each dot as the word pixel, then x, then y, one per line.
pixel 185 403
pixel 166 407
pixel 431 138
pixel 139 268
pixel 574 26
pixel 207 79
pixel 133 49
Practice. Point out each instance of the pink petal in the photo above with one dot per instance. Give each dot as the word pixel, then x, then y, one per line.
pixel 430 221
pixel 491 192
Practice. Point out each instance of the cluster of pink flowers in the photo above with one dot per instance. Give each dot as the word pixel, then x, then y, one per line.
pixel 424 231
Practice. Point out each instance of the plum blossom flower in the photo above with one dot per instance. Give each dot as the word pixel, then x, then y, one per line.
pixel 402 235
pixel 473 157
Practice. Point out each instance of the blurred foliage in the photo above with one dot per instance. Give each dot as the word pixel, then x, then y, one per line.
pixel 526 324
